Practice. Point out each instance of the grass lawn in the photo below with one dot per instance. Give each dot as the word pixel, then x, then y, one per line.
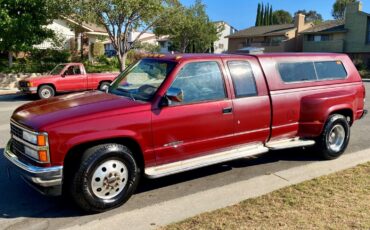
pixel 337 201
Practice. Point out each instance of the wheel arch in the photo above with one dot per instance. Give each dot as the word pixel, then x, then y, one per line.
pixel 47 84
pixel 74 154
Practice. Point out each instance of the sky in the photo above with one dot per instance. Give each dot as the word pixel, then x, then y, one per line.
pixel 242 13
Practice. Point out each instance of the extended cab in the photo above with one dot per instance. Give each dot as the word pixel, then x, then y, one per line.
pixel 65 78
pixel 170 114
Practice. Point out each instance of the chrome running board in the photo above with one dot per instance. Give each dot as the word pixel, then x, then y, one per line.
pixel 289 143
pixel 198 162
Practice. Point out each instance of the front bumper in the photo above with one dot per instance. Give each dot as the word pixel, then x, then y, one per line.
pixel 47 180
pixel 28 90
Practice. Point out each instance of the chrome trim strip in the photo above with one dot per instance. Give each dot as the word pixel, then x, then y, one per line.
pixel 202 161
pixel 289 143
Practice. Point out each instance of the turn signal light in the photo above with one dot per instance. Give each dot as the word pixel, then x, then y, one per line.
pixel 41 140
pixel 43 156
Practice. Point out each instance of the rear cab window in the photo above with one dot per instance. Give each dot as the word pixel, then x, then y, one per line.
pixel 243 79
pixel 292 72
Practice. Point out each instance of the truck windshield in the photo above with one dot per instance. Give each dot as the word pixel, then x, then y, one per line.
pixel 57 70
pixel 142 80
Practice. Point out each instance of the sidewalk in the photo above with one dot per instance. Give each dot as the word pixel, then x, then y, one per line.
pixel 8 91
pixel 152 217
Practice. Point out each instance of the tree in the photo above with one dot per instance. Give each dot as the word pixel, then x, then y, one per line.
pixel 264 15
pixel 22 24
pixel 120 18
pixel 339 8
pixel 271 18
pixel 190 30
pixel 258 17
pixel 311 16
pixel 282 17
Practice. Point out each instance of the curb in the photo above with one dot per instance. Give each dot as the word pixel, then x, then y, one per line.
pixel 152 217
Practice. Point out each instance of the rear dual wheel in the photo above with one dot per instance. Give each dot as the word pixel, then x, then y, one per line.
pixel 106 178
pixel 335 137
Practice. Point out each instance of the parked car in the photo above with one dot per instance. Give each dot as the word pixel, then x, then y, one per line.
pixel 65 78
pixel 170 114
pixel 110 53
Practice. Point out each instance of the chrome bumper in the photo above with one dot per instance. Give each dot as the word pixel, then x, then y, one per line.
pixel 47 180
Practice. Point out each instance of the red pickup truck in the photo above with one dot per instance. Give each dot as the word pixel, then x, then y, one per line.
pixel 170 114
pixel 68 77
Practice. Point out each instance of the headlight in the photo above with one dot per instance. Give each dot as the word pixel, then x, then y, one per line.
pixel 29 84
pixel 31 152
pixel 30 137
pixel 39 140
pixel 41 150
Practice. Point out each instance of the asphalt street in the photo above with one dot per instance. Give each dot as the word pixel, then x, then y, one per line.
pixel 23 208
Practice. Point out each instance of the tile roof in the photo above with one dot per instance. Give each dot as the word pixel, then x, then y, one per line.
pixel 272 30
pixel 330 26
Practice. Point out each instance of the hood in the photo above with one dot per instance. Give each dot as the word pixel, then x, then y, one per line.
pixel 37 78
pixel 39 114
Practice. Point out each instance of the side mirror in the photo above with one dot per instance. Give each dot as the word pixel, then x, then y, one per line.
pixel 63 74
pixel 175 94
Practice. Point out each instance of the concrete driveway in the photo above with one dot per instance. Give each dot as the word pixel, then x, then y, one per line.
pixel 23 208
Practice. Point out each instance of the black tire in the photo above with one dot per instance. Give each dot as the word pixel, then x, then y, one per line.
pixel 45 92
pixel 325 146
pixel 92 160
pixel 103 86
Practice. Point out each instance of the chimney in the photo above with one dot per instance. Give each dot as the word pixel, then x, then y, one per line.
pixel 299 22
pixel 353 8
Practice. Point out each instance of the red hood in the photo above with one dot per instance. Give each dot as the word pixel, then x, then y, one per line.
pixel 38 78
pixel 39 114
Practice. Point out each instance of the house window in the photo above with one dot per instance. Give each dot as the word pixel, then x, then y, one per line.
pixel 221 46
pixel 368 31
pixel 319 38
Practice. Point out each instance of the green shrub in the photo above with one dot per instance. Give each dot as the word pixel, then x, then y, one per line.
pixel 49 56
pixel 97 49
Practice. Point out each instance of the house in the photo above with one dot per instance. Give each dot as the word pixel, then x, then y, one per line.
pixel 145 38
pixel 273 38
pixel 225 30
pixel 74 36
pixel 350 35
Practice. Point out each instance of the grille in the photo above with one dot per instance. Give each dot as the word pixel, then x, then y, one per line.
pixel 14 130
pixel 22 84
pixel 17 147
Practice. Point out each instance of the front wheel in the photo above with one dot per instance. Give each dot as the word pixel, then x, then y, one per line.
pixel 46 92
pixel 104 86
pixel 106 178
pixel 335 137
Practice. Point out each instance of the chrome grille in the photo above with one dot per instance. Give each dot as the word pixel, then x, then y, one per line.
pixel 16 131
pixel 22 84
pixel 17 147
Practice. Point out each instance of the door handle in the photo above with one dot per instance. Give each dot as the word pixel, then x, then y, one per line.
pixel 227 110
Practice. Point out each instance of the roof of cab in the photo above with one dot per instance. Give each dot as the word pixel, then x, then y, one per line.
pixel 178 57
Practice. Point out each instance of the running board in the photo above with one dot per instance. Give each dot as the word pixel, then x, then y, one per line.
pixel 289 143
pixel 198 162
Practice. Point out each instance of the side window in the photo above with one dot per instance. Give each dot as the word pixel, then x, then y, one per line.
pixel 73 70
pixel 243 79
pixel 200 81
pixel 330 70
pixel 297 71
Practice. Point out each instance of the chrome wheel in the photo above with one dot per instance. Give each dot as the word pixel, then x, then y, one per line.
pixel 109 179
pixel 45 93
pixel 336 138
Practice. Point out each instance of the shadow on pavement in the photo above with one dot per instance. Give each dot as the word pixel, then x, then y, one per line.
pixel 19 200
pixel 17 97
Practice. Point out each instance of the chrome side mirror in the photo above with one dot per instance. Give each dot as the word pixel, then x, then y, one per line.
pixel 175 94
